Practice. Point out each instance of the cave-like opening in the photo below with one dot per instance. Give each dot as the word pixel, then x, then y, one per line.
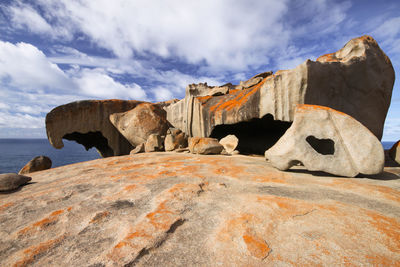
pixel 92 139
pixel 255 136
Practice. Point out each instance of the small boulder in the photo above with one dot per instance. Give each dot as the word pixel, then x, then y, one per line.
pixel 138 124
pixel 39 163
pixel 153 143
pixel 205 145
pixel 175 139
pixel 229 142
pixel 324 139
pixel 394 152
pixel 11 181
pixel 137 149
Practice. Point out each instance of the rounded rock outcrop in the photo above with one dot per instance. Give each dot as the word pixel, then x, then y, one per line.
pixel 38 163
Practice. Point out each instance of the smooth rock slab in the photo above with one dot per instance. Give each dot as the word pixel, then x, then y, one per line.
pixel 324 139
pixel 39 163
pixel 169 209
pixel 11 181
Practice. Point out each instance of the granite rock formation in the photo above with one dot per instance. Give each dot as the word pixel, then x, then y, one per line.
pixel 137 124
pixel 12 181
pixel 170 209
pixel 394 152
pixel 357 80
pixel 323 139
pixel 39 163
pixel 87 122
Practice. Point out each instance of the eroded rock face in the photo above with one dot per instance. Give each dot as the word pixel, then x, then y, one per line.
pixel 169 209
pixel 12 181
pixel 87 122
pixel 36 164
pixel 137 124
pixel 204 145
pixel 394 152
pixel 357 80
pixel 324 139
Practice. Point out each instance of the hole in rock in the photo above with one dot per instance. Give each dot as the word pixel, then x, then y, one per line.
pixel 322 146
pixel 255 136
pixel 92 139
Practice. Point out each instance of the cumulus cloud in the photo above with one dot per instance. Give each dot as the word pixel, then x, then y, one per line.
pixel 25 67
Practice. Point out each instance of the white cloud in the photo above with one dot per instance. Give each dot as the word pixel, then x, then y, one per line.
pixel 25 67
pixel 96 83
pixel 162 94
pixel 25 16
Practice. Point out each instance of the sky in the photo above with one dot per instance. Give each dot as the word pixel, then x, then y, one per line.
pixel 53 52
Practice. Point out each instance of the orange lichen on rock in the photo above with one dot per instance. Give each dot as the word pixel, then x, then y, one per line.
pixel 42 224
pixel 154 227
pixel 307 107
pixel 33 253
pixel 256 246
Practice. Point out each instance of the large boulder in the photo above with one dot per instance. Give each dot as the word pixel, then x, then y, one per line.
pixel 170 209
pixel 87 122
pixel 137 124
pixel 394 152
pixel 323 139
pixel 12 181
pixel 39 163
pixel 357 80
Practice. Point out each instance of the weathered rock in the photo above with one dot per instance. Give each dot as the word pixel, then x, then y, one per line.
pixel 138 149
pixel 87 122
pixel 11 181
pixel 323 139
pixel 230 143
pixel 36 164
pixel 170 209
pixel 154 143
pixel 175 139
pixel 137 124
pixel 204 145
pixel 394 152
pixel 357 80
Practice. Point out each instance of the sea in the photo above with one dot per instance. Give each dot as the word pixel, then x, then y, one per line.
pixel 15 153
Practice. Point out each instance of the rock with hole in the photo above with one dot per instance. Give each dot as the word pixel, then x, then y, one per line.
pixel 324 139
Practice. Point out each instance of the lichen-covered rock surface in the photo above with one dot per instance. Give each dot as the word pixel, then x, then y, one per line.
pixel 170 209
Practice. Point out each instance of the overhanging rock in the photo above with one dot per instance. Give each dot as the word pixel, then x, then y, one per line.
pixel 327 140
pixel 87 122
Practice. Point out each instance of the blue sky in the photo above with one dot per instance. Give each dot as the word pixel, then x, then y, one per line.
pixel 57 51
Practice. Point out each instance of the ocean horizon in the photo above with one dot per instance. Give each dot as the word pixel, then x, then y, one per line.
pixel 16 152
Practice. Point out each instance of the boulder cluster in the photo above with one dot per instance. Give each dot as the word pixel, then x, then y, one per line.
pixel 327 115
